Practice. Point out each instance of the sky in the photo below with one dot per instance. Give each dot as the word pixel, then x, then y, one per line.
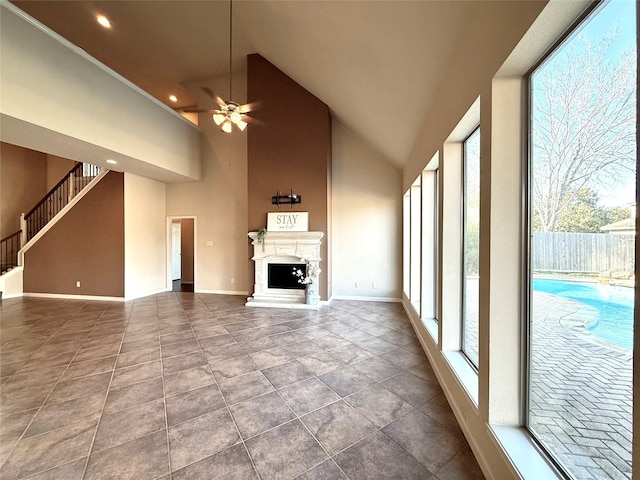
pixel 619 16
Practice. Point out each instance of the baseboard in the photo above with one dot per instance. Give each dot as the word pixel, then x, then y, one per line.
pixel 366 299
pixel 146 294
pixel 62 296
pixel 10 296
pixel 224 292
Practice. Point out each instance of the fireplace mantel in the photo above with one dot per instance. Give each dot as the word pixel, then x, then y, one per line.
pixel 282 247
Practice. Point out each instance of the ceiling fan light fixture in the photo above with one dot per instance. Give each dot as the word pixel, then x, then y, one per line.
pixel 218 118
pixel 228 113
pixel 226 126
pixel 235 117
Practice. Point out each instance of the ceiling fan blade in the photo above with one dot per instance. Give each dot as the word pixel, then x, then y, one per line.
pixel 220 101
pixel 253 121
pixel 250 107
pixel 215 97
pixel 209 92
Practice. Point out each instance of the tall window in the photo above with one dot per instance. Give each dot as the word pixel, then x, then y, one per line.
pixel 430 252
pixel 406 244
pixel 471 242
pixel 581 255
pixel 436 241
pixel 416 254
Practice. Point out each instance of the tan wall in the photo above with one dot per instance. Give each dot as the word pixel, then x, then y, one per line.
pixel 57 168
pixel 290 149
pixel 86 245
pixel 367 219
pixel 23 182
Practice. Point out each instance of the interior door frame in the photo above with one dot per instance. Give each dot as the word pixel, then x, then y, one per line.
pixel 169 272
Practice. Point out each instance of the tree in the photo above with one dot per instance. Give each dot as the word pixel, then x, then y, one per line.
pixel 584 214
pixel 583 130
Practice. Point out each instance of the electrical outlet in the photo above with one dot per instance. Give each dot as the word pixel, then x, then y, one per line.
pixel 357 285
pixel 78 284
pixel 233 280
pixel 373 285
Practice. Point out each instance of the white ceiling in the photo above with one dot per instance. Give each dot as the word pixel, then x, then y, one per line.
pixel 376 64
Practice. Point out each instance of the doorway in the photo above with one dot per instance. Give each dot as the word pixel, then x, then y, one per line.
pixel 181 254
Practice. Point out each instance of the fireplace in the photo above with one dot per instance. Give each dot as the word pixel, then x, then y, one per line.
pixel 282 251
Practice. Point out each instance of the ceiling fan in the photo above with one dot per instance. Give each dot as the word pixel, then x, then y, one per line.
pixel 229 113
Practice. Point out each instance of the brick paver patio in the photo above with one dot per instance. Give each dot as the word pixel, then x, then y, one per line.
pixel 581 387
pixel 581 393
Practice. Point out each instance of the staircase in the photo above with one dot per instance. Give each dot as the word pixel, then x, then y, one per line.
pixel 51 204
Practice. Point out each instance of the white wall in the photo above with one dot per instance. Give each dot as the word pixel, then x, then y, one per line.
pixel 367 220
pixel 145 251
pixel 58 100
pixel 219 201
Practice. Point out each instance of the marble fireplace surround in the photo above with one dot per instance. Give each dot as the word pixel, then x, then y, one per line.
pixel 282 247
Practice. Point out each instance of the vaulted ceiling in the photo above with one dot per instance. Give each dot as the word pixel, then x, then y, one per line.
pixel 377 64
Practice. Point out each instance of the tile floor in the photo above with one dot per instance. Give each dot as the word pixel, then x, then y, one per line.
pixel 184 386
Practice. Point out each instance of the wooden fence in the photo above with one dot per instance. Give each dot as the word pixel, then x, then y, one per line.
pixel 583 252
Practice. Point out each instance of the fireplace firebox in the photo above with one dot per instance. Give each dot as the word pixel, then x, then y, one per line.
pixel 280 275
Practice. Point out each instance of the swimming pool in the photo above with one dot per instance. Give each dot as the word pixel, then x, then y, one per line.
pixel 614 304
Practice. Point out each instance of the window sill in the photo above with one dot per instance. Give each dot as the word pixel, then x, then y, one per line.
pixel 524 454
pixel 465 373
pixel 431 326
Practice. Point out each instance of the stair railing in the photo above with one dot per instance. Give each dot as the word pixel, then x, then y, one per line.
pixel 9 247
pixel 58 197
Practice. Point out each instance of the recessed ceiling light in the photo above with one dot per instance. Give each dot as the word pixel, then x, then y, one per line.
pixel 112 162
pixel 173 98
pixel 104 21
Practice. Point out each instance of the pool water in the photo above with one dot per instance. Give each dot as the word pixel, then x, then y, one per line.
pixel 614 304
